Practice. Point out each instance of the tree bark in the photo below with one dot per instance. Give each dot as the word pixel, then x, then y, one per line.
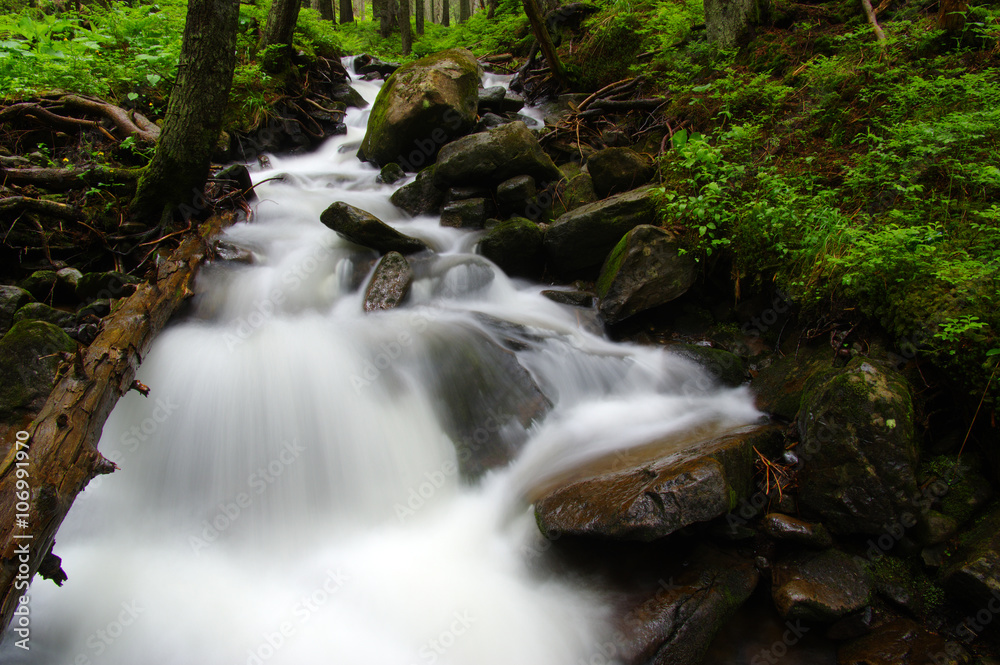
pixel 418 15
pixel 404 26
pixel 492 10
pixel 346 11
pixel 445 13
pixel 61 454
pixel 951 15
pixel 280 25
pixel 179 168
pixel 464 10
pixel 325 9
pixel 544 39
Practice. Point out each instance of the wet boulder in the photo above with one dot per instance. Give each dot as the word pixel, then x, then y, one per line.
pixel 516 246
pixel 348 96
pixel 28 364
pixel 41 284
pixel 485 399
pixel 676 624
pixel 516 194
pixel 902 642
pixel 36 311
pixel 724 367
pixel 105 286
pixel 499 100
pixel 420 197
pixel 857 431
pixel 973 573
pixel 12 298
pixel 422 106
pixel 571 193
pixel 778 387
pixel 465 213
pixel 389 174
pixel 494 156
pixel 367 230
pixel 674 484
pixel 580 240
pixel 820 586
pixel 366 64
pixel 616 170
pixel 644 270
pixel 788 529
pixel 390 283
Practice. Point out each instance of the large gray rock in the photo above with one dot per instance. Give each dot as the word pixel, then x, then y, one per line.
pixel 367 230
pixel 12 298
pixel 644 270
pixel 820 586
pixel 489 158
pixel 581 239
pixel 421 107
pixel 616 170
pixel 675 626
pixel 653 497
pixel 485 399
pixel 516 246
pixel 729 23
pixel 858 449
pixel 28 363
pixel 390 283
pixel 420 197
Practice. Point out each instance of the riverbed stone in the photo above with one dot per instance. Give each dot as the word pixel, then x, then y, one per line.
pixel 572 298
pixel 676 625
pixel 665 489
pixel 422 106
pixel 365 229
pixel 12 298
pixel 348 96
pixel 644 270
pixel 820 586
pixel 464 213
pixel 485 398
pixel 390 173
pixel 41 284
pixel 616 170
pixel 516 246
pixel 723 366
pixel 494 156
pixel 857 438
pixel 36 311
pixel 972 574
pixel 390 283
pixel 105 286
pixel 788 529
pixel 580 240
pixel 28 364
pixel 779 386
pixel 902 641
pixel 516 194
pixel 572 192
pixel 420 197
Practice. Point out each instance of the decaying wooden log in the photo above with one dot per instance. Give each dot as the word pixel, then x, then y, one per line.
pixel 59 455
pixel 57 179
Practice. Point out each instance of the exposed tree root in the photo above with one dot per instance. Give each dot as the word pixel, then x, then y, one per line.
pixel 51 208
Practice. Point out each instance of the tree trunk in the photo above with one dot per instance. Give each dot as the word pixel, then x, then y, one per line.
pixel 404 26
pixel 464 10
pixel 177 173
pixel 445 13
pixel 493 10
pixel 280 26
pixel 346 11
pixel 544 39
pixel 951 16
pixel 61 454
pixel 418 15
pixel 325 9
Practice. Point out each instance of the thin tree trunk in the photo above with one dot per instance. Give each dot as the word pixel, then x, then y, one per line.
pixel 177 173
pixel 280 25
pixel 325 9
pixel 346 11
pixel 492 11
pixel 445 13
pixel 61 454
pixel 464 10
pixel 544 39
pixel 418 18
pixel 951 15
pixel 404 26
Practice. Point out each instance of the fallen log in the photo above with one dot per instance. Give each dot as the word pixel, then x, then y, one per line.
pixel 54 458
pixel 50 208
pixel 58 180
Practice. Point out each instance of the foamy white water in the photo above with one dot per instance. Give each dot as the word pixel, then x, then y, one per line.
pixel 287 492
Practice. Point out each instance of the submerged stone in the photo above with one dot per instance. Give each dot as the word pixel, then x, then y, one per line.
pixel 365 229
pixel 390 283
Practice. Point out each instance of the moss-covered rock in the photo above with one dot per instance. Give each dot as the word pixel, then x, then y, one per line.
pixel 571 193
pixel 36 311
pixel 859 449
pixel 644 270
pixel 28 364
pixel 465 213
pixel 580 240
pixel 972 575
pixel 726 368
pixel 616 170
pixel 489 158
pixel 729 23
pixel 421 107
pixel 367 230
pixel 105 286
pixel 12 298
pixel 516 246
pixel 778 387
pixel 41 284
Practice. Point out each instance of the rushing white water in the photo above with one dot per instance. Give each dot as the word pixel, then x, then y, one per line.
pixel 287 492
